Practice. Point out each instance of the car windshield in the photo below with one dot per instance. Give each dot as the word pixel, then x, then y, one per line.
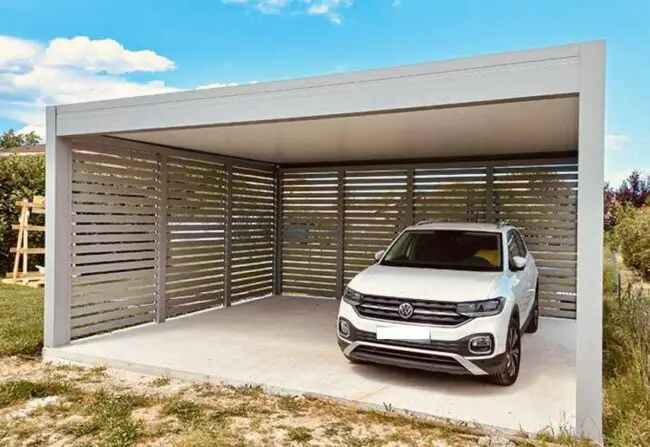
pixel 447 249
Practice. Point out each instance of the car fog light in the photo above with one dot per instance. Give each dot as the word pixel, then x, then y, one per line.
pixel 480 345
pixel 344 328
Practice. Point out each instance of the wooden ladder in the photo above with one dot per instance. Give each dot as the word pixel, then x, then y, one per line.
pixel 22 250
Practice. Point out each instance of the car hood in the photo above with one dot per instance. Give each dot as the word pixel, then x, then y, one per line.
pixel 425 283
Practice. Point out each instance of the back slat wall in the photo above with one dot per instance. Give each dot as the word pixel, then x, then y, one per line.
pixel 539 198
pixel 309 233
pixel 542 202
pixel 375 212
pixel 115 200
pixel 451 194
pixel 196 201
pixel 252 229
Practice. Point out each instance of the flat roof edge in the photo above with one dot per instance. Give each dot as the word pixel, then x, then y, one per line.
pixel 431 67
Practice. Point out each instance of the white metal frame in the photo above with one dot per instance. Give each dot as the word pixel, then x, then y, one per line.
pixel 573 69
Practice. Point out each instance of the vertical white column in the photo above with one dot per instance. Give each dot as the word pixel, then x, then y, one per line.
pixel 58 235
pixel 591 151
pixel 161 243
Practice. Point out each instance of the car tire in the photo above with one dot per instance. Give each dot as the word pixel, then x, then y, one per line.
pixel 533 324
pixel 510 371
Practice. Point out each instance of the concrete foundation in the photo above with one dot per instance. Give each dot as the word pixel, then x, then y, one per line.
pixel 288 344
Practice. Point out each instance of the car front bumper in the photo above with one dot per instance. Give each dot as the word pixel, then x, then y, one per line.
pixel 447 350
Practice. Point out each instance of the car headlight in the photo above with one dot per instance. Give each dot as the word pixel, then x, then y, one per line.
pixel 352 297
pixel 484 308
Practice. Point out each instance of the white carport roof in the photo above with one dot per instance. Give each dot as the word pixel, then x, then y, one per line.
pixel 514 103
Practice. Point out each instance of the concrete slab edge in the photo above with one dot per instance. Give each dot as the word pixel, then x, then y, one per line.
pixel 61 357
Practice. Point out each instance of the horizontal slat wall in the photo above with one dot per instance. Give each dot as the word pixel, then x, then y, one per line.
pixel 450 194
pixel 375 211
pixel 309 233
pixel 542 202
pixel 115 199
pixel 539 197
pixel 252 196
pixel 196 203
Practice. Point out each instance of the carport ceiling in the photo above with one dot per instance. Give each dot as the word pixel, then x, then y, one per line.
pixel 515 127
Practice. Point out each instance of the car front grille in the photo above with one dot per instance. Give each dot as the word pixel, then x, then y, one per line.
pixel 425 312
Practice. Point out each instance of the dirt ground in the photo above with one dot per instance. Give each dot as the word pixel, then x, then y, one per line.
pixel 43 404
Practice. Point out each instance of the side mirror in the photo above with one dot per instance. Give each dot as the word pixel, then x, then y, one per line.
pixel 519 263
pixel 379 255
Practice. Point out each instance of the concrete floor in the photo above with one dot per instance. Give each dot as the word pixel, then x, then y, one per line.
pixel 289 345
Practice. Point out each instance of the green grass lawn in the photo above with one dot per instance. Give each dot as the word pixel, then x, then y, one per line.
pixel 21 320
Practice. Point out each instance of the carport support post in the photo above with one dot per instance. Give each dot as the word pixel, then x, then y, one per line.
pixel 161 243
pixel 58 221
pixel 340 233
pixel 589 354
pixel 277 237
pixel 227 262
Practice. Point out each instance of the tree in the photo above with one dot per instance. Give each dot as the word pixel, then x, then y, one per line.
pixel 11 139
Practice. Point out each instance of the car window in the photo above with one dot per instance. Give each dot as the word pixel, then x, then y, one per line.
pixel 447 249
pixel 520 243
pixel 513 247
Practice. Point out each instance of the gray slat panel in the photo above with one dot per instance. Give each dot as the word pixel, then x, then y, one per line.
pixel 115 200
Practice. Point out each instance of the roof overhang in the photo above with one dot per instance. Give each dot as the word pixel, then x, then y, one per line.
pixel 513 103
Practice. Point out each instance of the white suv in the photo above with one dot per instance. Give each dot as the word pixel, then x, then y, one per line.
pixel 444 297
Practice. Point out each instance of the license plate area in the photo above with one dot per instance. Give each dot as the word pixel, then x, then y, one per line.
pixel 404 333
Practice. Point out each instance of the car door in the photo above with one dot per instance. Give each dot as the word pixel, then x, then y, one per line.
pixel 517 277
pixel 528 274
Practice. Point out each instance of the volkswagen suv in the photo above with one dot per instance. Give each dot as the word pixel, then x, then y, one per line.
pixel 444 297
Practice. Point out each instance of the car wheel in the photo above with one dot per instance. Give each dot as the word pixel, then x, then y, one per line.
pixel 533 324
pixel 510 371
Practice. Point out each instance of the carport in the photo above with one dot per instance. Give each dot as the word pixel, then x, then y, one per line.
pixel 207 234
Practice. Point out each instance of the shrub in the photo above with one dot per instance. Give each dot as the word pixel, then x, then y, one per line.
pixel 21 177
pixel 633 239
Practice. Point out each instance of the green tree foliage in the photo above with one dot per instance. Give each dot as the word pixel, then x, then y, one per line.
pixel 633 238
pixel 21 177
pixel 11 139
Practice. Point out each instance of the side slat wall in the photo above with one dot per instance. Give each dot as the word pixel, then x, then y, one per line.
pixel 310 233
pixel 150 232
pixel 542 202
pixel 252 233
pixel 196 203
pixel 115 200
pixel 538 197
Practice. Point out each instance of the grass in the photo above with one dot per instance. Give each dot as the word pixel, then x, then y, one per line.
pixel 626 369
pixel 21 320
pixel 13 392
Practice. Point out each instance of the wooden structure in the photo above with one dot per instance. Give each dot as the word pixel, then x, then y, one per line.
pixel 23 250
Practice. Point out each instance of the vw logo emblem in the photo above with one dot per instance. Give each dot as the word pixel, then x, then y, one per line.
pixel 405 311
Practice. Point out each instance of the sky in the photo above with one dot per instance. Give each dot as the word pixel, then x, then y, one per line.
pixel 66 51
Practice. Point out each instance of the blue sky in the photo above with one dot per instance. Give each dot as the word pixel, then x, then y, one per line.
pixel 72 50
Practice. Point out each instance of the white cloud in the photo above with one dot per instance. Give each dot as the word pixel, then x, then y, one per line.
pixel 106 55
pixel 325 8
pixel 616 142
pixel 16 53
pixel 33 75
